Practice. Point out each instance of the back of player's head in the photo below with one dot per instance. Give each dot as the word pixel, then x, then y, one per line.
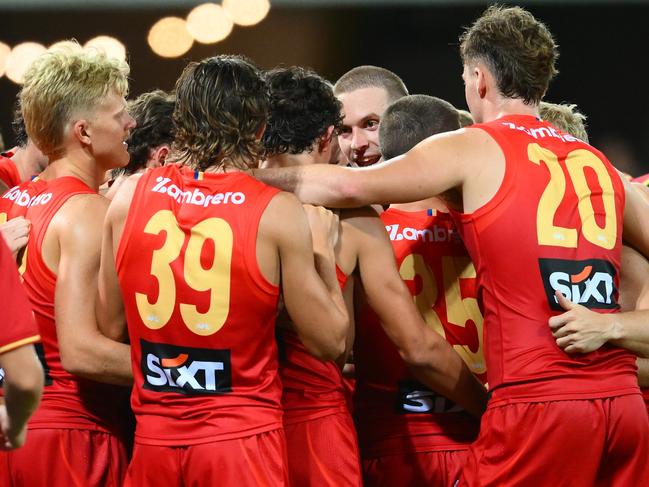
pixel 302 108
pixel 18 127
pixel 466 118
pixel 518 49
pixel 565 117
pixel 413 118
pixel 153 114
pixel 221 108
pixel 371 77
pixel 63 83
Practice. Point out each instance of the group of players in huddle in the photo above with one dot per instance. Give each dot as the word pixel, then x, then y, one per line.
pixel 457 323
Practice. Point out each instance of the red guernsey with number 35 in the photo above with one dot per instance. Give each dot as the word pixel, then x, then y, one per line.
pixel 555 224
pixel 200 314
pixel 394 412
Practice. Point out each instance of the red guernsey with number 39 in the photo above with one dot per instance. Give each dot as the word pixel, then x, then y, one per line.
pixel 200 314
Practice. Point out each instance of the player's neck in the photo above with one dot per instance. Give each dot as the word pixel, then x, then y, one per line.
pixel 75 164
pixel 503 107
pixel 229 166
pixel 289 160
pixel 433 203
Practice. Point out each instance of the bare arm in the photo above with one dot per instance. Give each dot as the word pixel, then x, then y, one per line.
pixel 23 385
pixel 429 355
pixel 314 302
pixel 84 350
pixel 435 165
pixel 643 371
pixel 110 306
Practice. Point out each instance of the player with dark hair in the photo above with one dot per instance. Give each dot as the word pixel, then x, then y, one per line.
pixel 22 162
pixel 424 439
pixel 149 143
pixel 543 216
pixel 303 110
pixel 365 93
pixel 192 260
pixel 316 416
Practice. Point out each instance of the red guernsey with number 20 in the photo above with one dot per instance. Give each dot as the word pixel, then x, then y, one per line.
pixel 555 224
pixel 200 314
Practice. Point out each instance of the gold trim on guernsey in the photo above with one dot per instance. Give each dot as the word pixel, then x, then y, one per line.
pixel 20 343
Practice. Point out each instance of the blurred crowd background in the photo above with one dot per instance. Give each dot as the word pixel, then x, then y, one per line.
pixel 602 49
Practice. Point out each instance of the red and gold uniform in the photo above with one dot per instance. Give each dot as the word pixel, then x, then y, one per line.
pixel 644 179
pixel 17 199
pixel 9 174
pixel 320 435
pixel 18 327
pixel 201 321
pixel 409 435
pixel 75 433
pixel 555 224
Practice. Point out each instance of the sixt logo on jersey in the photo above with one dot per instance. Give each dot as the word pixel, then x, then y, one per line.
pixel 197 197
pixel 431 234
pixel 186 370
pixel 587 282
pixel 414 397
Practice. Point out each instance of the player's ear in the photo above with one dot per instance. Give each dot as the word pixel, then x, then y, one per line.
pixel 324 143
pixel 158 156
pixel 80 130
pixel 483 76
pixel 260 131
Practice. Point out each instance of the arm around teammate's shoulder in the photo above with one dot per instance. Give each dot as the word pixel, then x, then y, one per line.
pixel 312 295
pixel 84 350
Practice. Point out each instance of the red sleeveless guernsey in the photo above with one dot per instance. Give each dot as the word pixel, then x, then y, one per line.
pixel 311 388
pixel 68 401
pixel 18 198
pixel 392 408
pixel 555 224
pixel 200 314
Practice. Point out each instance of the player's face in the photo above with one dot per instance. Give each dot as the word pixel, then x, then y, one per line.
pixel 109 128
pixel 359 136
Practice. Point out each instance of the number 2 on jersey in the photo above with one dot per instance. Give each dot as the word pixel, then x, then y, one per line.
pixel 576 162
pixel 215 278
pixel 459 310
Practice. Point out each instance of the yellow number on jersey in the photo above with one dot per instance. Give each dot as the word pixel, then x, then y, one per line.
pixel 3 218
pixel 550 234
pixel 459 310
pixel 215 279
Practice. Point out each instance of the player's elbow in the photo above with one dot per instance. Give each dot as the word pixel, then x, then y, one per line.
pixel 28 384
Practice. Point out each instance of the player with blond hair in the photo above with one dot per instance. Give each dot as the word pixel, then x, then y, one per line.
pixel 75 112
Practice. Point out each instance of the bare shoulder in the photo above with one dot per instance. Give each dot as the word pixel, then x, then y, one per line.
pixel 122 199
pixel 282 214
pixel 364 219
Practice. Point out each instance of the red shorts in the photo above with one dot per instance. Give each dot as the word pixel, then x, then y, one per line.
pixel 323 452
pixel 414 469
pixel 252 461
pixel 594 442
pixel 65 458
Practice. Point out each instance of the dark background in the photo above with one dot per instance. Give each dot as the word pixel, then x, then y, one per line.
pixel 603 48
